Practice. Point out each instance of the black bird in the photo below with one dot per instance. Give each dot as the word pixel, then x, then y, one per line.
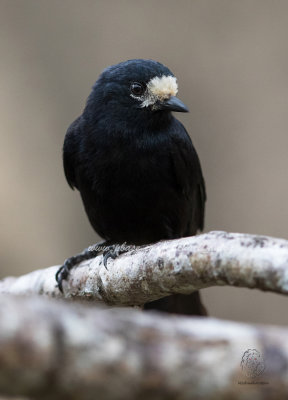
pixel 134 164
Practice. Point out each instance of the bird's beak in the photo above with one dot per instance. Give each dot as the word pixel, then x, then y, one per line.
pixel 172 104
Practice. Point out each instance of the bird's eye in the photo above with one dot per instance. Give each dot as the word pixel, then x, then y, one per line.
pixel 137 89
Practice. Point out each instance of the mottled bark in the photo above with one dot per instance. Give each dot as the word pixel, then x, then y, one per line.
pixel 176 266
pixel 55 350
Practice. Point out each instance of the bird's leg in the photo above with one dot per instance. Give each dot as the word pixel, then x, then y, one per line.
pixel 71 262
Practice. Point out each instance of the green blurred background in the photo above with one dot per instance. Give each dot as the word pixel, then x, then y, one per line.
pixel 231 60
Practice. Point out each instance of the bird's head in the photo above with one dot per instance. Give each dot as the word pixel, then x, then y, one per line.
pixel 137 89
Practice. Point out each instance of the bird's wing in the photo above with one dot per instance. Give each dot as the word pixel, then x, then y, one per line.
pixel 189 178
pixel 201 199
pixel 70 148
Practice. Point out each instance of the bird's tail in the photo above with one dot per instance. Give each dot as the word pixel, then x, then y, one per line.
pixel 179 304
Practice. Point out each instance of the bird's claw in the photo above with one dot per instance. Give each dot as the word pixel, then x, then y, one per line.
pixel 61 275
pixel 113 252
pixel 63 272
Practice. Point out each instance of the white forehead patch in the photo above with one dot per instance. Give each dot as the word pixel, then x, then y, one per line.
pixel 163 87
pixel 159 89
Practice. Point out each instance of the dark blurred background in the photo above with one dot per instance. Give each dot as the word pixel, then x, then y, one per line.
pixel 231 60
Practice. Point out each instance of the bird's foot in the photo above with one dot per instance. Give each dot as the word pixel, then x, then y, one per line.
pixel 113 251
pixel 71 262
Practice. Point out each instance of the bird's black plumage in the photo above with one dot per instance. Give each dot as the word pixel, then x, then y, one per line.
pixel 133 162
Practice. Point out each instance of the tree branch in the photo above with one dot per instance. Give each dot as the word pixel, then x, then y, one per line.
pixel 57 350
pixel 177 266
